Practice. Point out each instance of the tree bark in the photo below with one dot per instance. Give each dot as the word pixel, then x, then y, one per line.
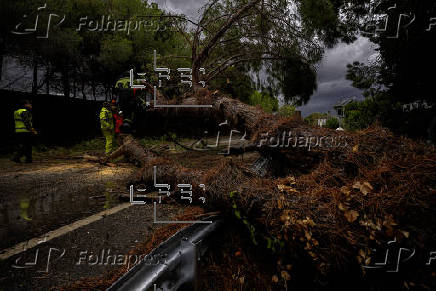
pixel 35 75
pixel 288 141
pixel 47 79
pixel 2 51
pixel 83 90
pixel 93 89
pixel 66 81
pixel 297 208
pixel 74 87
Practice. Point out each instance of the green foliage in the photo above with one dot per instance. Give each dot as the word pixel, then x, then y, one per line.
pixel 284 44
pixel 92 56
pixel 272 243
pixel 360 115
pixel 244 219
pixel 401 72
pixel 363 76
pixel 296 78
pixel 332 123
pixel 234 82
pixel 266 101
pixel 286 111
pixel 115 52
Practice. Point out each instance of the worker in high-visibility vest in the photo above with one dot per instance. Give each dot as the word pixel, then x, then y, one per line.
pixel 24 132
pixel 107 126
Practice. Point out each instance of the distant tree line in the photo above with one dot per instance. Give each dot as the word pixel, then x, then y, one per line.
pixel 83 57
pixel 232 41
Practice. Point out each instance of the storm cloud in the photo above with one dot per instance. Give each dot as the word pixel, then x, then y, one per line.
pixel 332 85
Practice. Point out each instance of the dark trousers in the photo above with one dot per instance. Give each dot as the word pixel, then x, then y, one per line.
pixel 24 146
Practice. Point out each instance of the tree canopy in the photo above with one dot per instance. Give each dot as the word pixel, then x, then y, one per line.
pixel 284 40
pixel 405 34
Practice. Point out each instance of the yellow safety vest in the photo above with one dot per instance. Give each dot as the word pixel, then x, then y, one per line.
pixel 106 119
pixel 123 83
pixel 20 126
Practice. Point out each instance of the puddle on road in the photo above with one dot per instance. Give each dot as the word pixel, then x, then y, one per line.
pixel 30 206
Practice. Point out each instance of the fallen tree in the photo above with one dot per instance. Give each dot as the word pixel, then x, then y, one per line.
pixel 332 205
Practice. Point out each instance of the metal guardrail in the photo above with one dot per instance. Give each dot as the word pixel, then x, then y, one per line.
pixel 176 264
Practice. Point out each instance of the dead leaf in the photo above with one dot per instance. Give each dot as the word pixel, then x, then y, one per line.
pixel 351 215
pixel 345 190
pixel 275 279
pixel 362 253
pixel 341 207
pixel 285 275
pixel 289 267
pixel 364 187
pixel 357 185
pixel 279 204
pixel 308 221
pixel 356 148
pixel 288 189
pixel 308 235
pixel 405 233
pixel 290 180
pixel 367 261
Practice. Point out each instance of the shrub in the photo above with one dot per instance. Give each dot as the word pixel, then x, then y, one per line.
pixel 332 123
pixel 266 101
pixel 286 110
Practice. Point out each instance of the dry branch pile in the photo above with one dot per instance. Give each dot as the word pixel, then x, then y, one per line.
pixel 349 200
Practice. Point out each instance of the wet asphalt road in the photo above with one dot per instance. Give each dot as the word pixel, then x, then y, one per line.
pixel 43 196
pixel 46 195
pixel 87 252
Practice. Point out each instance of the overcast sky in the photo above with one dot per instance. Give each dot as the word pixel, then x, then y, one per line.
pixel 332 85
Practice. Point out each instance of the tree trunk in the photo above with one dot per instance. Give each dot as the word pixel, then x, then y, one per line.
pixel 312 213
pixel 35 75
pixel 83 90
pixel 47 79
pixel 288 141
pixel 66 81
pixel 93 89
pixel 2 51
pixel 1 65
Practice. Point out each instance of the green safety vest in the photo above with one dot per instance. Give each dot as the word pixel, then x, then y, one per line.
pixel 106 119
pixel 19 122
